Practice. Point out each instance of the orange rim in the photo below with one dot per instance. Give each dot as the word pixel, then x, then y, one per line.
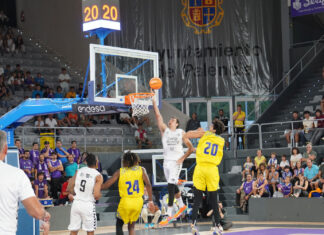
pixel 130 98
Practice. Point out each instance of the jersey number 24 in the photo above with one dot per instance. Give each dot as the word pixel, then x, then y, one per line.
pixel 135 187
pixel 211 149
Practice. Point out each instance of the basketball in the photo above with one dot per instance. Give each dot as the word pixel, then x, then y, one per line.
pixel 156 83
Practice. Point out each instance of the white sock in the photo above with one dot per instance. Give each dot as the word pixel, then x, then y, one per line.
pixel 181 204
pixel 169 212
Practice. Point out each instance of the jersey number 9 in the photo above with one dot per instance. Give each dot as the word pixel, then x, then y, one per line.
pixel 213 151
pixel 82 185
pixel 135 187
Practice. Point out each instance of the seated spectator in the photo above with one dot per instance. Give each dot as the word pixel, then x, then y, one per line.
pixel 285 173
pixel 41 167
pixel 297 130
pixel 295 157
pixel 101 120
pixel 39 80
pixel 308 123
pixel 247 168
pixel 319 128
pixel 10 46
pixel 59 93
pixel 141 138
pixel 46 91
pixel 286 187
pixel 273 161
pixel 320 182
pixel 301 187
pixel 71 93
pixel 260 187
pixel 56 168
pixel 29 81
pixel 92 120
pixel 40 185
pixel 47 151
pixel 20 149
pixel 5 98
pixel 284 162
pixel 34 154
pixel 73 119
pixel 51 93
pixel 63 198
pixel 145 212
pixel 273 178
pixel 299 170
pixel 62 153
pixel 50 121
pixel 263 170
pixel 39 123
pixel 70 167
pixel 258 160
pixel 239 119
pixel 193 123
pixel 19 71
pixel 64 79
pixel 62 120
pixel 20 46
pixel 37 91
pixel 310 153
pixel 84 122
pixel 74 151
pixel 27 165
pixel 244 193
pixel 13 83
pixel 311 172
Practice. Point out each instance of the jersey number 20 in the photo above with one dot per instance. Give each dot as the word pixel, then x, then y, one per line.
pixel 213 151
pixel 135 187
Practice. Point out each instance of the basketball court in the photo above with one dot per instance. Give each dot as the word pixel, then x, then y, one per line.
pixel 245 228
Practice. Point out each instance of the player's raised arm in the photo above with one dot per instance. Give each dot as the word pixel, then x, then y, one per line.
pixel 190 150
pixel 158 115
pixel 194 134
pixel 97 187
pixel 111 181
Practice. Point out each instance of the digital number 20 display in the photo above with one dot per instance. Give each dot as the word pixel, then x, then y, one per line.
pixel 92 13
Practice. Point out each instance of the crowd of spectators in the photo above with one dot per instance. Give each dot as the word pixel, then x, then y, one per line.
pixel 302 175
pixel 50 169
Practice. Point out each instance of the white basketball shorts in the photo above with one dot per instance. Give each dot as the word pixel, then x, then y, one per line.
pixel 171 171
pixel 83 213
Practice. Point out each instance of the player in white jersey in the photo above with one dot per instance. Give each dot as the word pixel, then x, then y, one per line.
pixel 86 185
pixel 172 141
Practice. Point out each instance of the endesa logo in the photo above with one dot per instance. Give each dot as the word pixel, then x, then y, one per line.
pixel 92 109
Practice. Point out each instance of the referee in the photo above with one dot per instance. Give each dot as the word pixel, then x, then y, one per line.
pixel 15 186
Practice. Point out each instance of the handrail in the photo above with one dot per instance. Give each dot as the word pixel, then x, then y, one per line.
pixel 285 78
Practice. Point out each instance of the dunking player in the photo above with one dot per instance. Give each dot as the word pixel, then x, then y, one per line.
pixel 131 189
pixel 172 141
pixel 86 185
pixel 209 155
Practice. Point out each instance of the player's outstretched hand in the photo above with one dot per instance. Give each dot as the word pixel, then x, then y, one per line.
pixel 47 217
pixel 154 97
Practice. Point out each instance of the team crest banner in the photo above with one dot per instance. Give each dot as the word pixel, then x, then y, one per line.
pixel 306 7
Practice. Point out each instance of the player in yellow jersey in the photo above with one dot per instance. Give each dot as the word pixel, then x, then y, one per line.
pixel 131 189
pixel 209 155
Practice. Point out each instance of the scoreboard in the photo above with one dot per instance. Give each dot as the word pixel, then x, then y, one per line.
pixel 100 14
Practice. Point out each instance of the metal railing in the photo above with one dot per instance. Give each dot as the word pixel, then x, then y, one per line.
pixel 293 73
pixel 84 136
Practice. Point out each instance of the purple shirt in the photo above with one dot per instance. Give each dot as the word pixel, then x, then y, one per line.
pixel 41 187
pixel 286 189
pixel 21 151
pixel 34 156
pixel 299 171
pixel 259 183
pixel 285 174
pixel 247 187
pixel 51 151
pixel 75 152
pixel 26 165
pixel 57 173
pixel 42 167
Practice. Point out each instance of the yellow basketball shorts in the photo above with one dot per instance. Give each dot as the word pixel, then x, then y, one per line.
pixel 129 209
pixel 206 176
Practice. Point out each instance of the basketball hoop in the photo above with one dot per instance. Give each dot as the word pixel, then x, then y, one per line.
pixel 140 103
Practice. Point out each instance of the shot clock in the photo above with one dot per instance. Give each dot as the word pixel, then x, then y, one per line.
pixel 100 14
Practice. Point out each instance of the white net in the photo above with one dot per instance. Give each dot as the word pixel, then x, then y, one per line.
pixel 140 104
